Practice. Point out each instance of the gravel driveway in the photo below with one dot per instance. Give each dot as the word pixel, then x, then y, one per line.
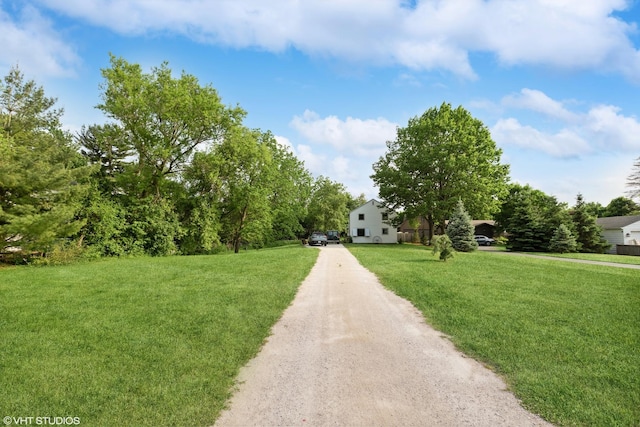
pixel 348 352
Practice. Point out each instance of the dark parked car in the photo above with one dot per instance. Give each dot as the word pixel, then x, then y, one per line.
pixel 484 240
pixel 333 236
pixel 318 238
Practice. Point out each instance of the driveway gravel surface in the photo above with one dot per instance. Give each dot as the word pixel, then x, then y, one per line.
pixel 348 352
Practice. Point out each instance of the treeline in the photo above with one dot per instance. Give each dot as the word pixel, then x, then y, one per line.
pixel 172 171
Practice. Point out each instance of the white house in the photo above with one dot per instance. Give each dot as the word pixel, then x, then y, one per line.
pixel 371 223
pixel 620 230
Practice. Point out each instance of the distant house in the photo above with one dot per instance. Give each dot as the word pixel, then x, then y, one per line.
pixel 371 223
pixel 484 227
pixel 620 230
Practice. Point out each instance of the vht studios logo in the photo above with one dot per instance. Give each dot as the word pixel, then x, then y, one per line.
pixel 41 421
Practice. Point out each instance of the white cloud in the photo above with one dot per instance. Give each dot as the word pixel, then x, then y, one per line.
pixel 612 130
pixel 361 137
pixel 315 163
pixel 538 101
pixel 562 144
pixel 602 128
pixel 435 34
pixel 31 43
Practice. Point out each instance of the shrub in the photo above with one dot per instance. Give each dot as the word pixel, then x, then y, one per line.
pixel 442 246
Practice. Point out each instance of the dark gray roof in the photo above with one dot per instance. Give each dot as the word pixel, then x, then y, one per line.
pixel 615 222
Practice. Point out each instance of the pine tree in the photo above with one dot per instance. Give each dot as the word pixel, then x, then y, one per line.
pixel 460 230
pixel 588 233
pixel 42 175
pixel 562 240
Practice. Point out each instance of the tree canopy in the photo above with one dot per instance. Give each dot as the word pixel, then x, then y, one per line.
pixel 42 176
pixel 441 157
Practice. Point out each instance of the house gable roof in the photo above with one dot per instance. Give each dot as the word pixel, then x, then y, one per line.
pixel 617 222
pixel 374 201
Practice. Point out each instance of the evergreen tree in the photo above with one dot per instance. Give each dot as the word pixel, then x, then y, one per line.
pixel 562 240
pixel 588 233
pixel 42 176
pixel 526 234
pixel 460 230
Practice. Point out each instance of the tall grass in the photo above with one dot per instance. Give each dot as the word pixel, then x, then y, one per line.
pixel 139 342
pixel 565 336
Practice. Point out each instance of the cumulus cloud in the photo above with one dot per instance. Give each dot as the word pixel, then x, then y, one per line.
pixel 612 129
pixel 538 101
pixel 432 34
pixel 603 128
pixel 362 137
pixel 30 42
pixel 562 144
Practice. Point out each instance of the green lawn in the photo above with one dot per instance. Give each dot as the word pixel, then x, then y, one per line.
pixel 565 336
pixel 618 259
pixel 139 342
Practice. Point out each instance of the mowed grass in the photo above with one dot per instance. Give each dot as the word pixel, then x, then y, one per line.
pixel 617 259
pixel 565 336
pixel 139 342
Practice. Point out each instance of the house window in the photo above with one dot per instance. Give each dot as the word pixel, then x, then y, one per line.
pixel 385 231
pixel 361 217
pixel 385 216
pixel 360 232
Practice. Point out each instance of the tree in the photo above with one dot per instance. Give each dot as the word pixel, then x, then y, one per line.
pixel 620 206
pixel 441 157
pixel 528 215
pixel 562 240
pixel 633 181
pixel 461 231
pixel 588 233
pixel 246 174
pixel 328 206
pixel 42 176
pixel 162 120
pixel 526 231
pixel 290 192
pixel 158 125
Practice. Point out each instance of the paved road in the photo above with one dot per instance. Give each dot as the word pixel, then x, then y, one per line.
pixel 579 261
pixel 348 352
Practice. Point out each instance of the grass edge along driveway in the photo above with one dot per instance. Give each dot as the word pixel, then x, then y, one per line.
pixel 142 341
pixel 564 336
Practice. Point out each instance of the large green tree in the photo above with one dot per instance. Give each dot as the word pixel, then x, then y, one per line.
pixel 42 176
pixel 247 174
pixel 328 206
pixel 158 123
pixel 162 120
pixel 441 157
pixel 621 206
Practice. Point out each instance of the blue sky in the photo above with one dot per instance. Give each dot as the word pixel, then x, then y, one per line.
pixel 556 81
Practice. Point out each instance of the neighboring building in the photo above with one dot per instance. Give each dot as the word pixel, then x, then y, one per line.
pixel 484 227
pixel 371 223
pixel 620 230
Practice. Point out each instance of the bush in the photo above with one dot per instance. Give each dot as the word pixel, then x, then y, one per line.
pixel 442 246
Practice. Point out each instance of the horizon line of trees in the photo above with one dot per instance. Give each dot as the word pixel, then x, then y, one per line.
pixel 172 171
pixel 175 171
